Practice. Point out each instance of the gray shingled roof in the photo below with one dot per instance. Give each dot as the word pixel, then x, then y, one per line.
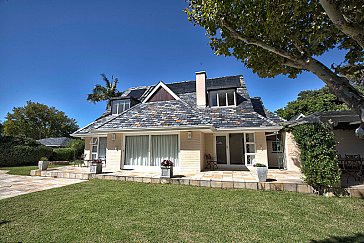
pixel 55 142
pixel 249 112
pixel 331 117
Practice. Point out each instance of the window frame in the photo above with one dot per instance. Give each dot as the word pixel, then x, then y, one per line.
pixel 125 103
pixel 246 148
pixel 274 146
pixel 218 97
pixel 149 148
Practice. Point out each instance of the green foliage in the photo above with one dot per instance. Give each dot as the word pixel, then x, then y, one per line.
pixel 296 27
pixel 21 151
pixel 78 145
pixel 285 37
pixel 63 154
pixel 318 155
pixel 101 93
pixel 37 121
pixel 311 101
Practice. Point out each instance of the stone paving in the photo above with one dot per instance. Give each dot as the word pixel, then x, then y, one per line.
pixel 278 180
pixel 72 172
pixel 14 185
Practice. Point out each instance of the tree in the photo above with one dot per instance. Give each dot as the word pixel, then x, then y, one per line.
pixel 37 121
pixel 311 101
pixel 1 128
pixel 101 93
pixel 286 37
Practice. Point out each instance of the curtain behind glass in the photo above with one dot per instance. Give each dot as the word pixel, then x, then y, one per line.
pixel 164 147
pixel 136 150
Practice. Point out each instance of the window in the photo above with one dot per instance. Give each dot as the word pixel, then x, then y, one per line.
pixel 249 148
pixel 98 148
pixel 151 150
pixel 118 106
pixel 276 147
pixel 222 98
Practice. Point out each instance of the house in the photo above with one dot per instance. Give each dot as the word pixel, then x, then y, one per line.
pixel 55 142
pixel 183 122
pixel 343 124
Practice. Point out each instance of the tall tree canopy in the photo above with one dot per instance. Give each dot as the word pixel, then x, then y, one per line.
pixel 311 101
pixel 106 92
pixel 37 121
pixel 285 37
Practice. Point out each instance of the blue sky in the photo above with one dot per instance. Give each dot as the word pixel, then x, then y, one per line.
pixel 53 52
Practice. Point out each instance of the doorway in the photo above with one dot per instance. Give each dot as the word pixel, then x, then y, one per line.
pixel 221 148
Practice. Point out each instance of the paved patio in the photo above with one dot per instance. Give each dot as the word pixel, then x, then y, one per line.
pixel 281 176
pixel 15 185
pixel 278 180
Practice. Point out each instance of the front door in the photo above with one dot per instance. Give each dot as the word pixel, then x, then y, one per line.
pixel 221 155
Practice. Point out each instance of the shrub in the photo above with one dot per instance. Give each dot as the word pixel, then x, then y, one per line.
pixel 78 145
pixel 318 161
pixel 63 154
pixel 18 151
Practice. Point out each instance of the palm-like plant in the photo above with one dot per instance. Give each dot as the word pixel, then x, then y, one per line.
pixel 106 92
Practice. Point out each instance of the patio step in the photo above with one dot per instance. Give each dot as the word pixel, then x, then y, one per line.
pixel 357 192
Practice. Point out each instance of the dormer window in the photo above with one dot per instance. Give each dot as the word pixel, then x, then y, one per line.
pixel 118 106
pixel 226 97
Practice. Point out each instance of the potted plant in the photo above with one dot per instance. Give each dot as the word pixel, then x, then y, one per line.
pixel 167 169
pixel 262 172
pixel 96 166
pixel 43 163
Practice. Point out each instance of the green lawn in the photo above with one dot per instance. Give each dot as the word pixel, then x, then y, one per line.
pixel 115 211
pixel 24 170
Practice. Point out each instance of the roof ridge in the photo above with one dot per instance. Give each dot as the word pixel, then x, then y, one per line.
pixel 179 82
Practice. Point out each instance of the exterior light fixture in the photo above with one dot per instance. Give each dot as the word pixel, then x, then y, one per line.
pixel 113 137
pixel 189 135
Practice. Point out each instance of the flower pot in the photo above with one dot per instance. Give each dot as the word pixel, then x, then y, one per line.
pixel 43 165
pixel 262 173
pixel 167 171
pixel 96 168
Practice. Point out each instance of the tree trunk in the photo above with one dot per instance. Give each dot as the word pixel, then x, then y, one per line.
pixel 354 31
pixel 339 86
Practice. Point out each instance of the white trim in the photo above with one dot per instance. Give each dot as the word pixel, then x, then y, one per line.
pixel 161 84
pixel 246 148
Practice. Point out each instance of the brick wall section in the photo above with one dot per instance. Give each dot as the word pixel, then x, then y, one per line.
pixel 113 152
pixel 190 151
pixel 261 147
pixel 87 151
pixel 292 152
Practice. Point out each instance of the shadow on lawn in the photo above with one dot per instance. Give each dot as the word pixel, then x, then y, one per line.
pixel 358 237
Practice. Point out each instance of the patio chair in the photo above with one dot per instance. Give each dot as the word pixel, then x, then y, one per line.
pixel 210 162
pixel 353 166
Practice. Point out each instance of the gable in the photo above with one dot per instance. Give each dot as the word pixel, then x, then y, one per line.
pixel 161 95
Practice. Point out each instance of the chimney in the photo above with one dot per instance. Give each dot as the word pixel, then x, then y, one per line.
pixel 201 89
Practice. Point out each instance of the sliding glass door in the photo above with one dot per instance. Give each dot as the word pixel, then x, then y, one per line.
pixel 136 150
pixel 151 150
pixel 164 147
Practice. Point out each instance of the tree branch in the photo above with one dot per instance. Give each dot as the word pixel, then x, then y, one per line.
pixel 251 41
pixel 354 31
pixel 292 64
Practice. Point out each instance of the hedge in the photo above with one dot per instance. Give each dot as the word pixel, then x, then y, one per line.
pixel 19 151
pixel 63 154
pixel 318 155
